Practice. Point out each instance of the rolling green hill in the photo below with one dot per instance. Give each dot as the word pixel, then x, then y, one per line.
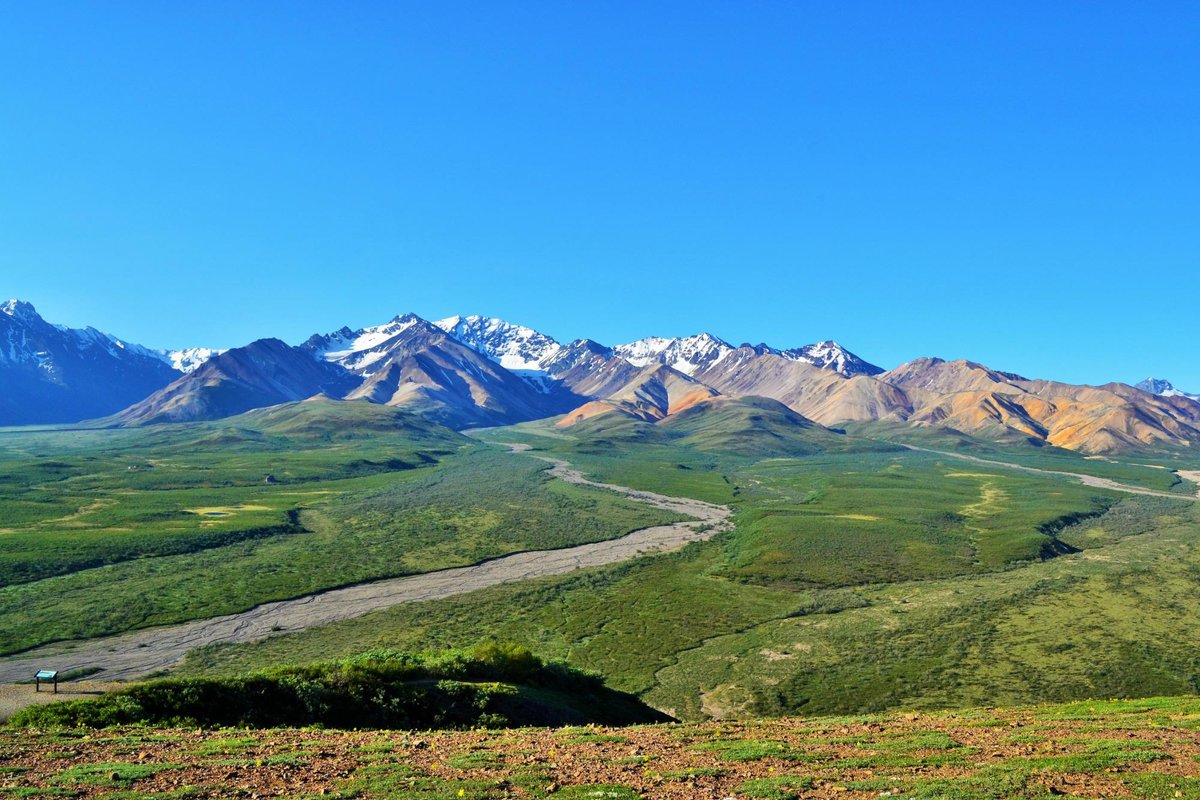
pixel 757 427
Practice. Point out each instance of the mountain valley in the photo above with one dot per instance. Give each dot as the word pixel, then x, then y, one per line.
pixel 693 530
pixel 407 453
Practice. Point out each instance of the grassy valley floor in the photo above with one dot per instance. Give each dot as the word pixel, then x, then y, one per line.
pixel 1129 749
pixel 859 576
pixel 851 583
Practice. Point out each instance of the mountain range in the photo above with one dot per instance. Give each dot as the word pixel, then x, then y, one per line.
pixel 52 373
pixel 478 371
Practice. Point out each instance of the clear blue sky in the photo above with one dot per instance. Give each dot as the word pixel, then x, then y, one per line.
pixel 1014 182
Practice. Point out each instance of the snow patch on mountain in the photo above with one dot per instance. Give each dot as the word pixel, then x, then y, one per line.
pixel 20 310
pixel 19 348
pixel 1164 388
pixel 357 350
pixel 831 355
pixel 513 347
pixel 189 359
pixel 688 354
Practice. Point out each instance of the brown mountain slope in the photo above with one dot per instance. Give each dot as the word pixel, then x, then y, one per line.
pixel 590 369
pixel 1092 419
pixel 435 375
pixel 819 394
pixel 968 397
pixel 654 392
pixel 263 373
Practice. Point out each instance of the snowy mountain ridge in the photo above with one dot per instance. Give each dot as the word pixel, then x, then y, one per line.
pixel 530 353
pixel 1163 388
pixel 688 354
pixel 514 347
pixel 358 350
pixel 468 371
pixel 831 355
pixel 19 349
pixel 189 359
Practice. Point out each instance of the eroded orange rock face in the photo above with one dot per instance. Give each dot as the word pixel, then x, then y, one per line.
pixel 962 395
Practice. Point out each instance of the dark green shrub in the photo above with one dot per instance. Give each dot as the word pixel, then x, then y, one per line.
pixel 494 684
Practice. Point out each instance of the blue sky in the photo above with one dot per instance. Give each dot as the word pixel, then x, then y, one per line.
pixel 1018 183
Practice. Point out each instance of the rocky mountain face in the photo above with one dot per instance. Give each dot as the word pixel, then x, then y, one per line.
pixel 426 370
pixel 1095 419
pixel 471 371
pixel 263 373
pixel 514 347
pixel 1163 387
pixel 655 392
pixel 406 362
pixel 589 369
pixel 703 352
pixel 960 395
pixel 51 373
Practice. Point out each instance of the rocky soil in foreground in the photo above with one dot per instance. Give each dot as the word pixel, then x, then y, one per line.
pixel 1134 749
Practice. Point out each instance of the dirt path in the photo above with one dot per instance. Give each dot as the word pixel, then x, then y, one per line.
pixel 139 653
pixel 1086 480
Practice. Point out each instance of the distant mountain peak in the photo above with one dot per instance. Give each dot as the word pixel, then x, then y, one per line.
pixel 190 359
pixel 53 373
pixel 359 349
pixel 1155 386
pixel 831 355
pixel 514 347
pixel 1163 388
pixel 688 354
pixel 19 309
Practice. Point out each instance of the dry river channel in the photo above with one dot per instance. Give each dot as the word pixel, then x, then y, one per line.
pixel 138 653
pixel 1086 480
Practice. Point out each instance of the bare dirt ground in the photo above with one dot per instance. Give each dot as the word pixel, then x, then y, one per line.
pixel 15 696
pixel 139 653
pixel 1134 751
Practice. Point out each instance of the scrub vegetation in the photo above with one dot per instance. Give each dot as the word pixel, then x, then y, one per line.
pixel 491 685
pixel 860 577
pixel 851 582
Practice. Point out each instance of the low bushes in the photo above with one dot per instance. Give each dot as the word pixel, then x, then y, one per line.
pixel 493 685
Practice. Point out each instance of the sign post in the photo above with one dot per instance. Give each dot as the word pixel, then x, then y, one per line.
pixel 45 675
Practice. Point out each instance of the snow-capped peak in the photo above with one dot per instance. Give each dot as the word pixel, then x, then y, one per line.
pixel 1163 388
pixel 688 354
pixel 189 359
pixel 831 355
pixel 19 309
pixel 31 340
pixel 359 349
pixel 513 347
